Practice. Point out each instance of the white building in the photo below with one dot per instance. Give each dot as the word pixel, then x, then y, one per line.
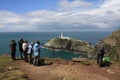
pixel 63 37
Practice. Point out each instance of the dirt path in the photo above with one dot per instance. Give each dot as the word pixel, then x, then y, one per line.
pixel 66 70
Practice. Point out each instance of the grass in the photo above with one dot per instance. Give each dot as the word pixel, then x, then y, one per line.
pixel 5 58
pixel 8 72
pixel 115 63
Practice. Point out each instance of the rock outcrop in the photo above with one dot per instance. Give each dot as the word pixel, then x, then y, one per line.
pixel 114 39
pixel 113 45
pixel 74 45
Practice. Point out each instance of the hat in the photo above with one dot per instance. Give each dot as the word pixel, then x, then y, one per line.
pixel 38 42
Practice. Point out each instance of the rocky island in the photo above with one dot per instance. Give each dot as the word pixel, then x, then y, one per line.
pixel 69 44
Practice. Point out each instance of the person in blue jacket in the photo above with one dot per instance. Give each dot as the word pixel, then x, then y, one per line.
pixel 36 51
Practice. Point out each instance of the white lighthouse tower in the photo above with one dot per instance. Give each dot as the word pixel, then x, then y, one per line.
pixel 62 37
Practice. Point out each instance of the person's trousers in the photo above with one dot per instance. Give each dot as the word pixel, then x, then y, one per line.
pixel 13 55
pixel 25 56
pixel 30 58
pixel 36 61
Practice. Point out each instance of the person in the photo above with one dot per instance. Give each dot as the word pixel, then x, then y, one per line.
pixel 36 50
pixel 99 49
pixel 30 50
pixel 20 42
pixel 101 55
pixel 13 45
pixel 25 49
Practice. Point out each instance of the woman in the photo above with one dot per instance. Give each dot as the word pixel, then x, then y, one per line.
pixel 30 50
pixel 25 49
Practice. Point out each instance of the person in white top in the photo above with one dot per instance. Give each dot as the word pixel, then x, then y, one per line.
pixel 25 49
pixel 29 52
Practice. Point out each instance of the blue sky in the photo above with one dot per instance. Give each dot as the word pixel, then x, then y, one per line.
pixel 57 15
pixel 23 6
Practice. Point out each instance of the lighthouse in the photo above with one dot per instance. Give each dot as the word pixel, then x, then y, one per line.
pixel 63 37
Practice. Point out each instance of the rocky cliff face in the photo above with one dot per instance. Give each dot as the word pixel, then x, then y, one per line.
pixel 70 45
pixel 114 39
pixel 113 45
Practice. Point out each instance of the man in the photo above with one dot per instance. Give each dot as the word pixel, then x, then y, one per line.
pixel 100 56
pixel 20 42
pixel 102 53
pixel 36 50
pixel 13 45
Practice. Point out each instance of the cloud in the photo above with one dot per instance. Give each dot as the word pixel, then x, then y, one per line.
pixel 13 22
pixel 111 5
pixel 104 17
pixel 66 5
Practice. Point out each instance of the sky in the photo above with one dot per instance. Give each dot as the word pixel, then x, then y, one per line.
pixel 59 15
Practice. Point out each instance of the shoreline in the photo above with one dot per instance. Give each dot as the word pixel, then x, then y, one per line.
pixel 56 49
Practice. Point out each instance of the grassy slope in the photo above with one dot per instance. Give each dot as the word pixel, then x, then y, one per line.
pixel 9 73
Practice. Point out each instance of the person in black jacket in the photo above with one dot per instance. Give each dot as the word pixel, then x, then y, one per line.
pixel 13 45
pixel 20 42
pixel 101 55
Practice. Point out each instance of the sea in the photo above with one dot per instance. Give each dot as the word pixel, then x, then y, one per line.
pixel 90 36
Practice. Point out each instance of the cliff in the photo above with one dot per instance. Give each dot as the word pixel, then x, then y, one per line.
pixel 113 45
pixel 114 39
pixel 74 45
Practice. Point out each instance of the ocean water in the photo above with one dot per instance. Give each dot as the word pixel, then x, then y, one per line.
pixel 90 36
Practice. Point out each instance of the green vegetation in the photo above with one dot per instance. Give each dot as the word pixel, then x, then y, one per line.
pixel 5 59
pixel 115 63
pixel 61 41
pixel 114 54
pixel 10 73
